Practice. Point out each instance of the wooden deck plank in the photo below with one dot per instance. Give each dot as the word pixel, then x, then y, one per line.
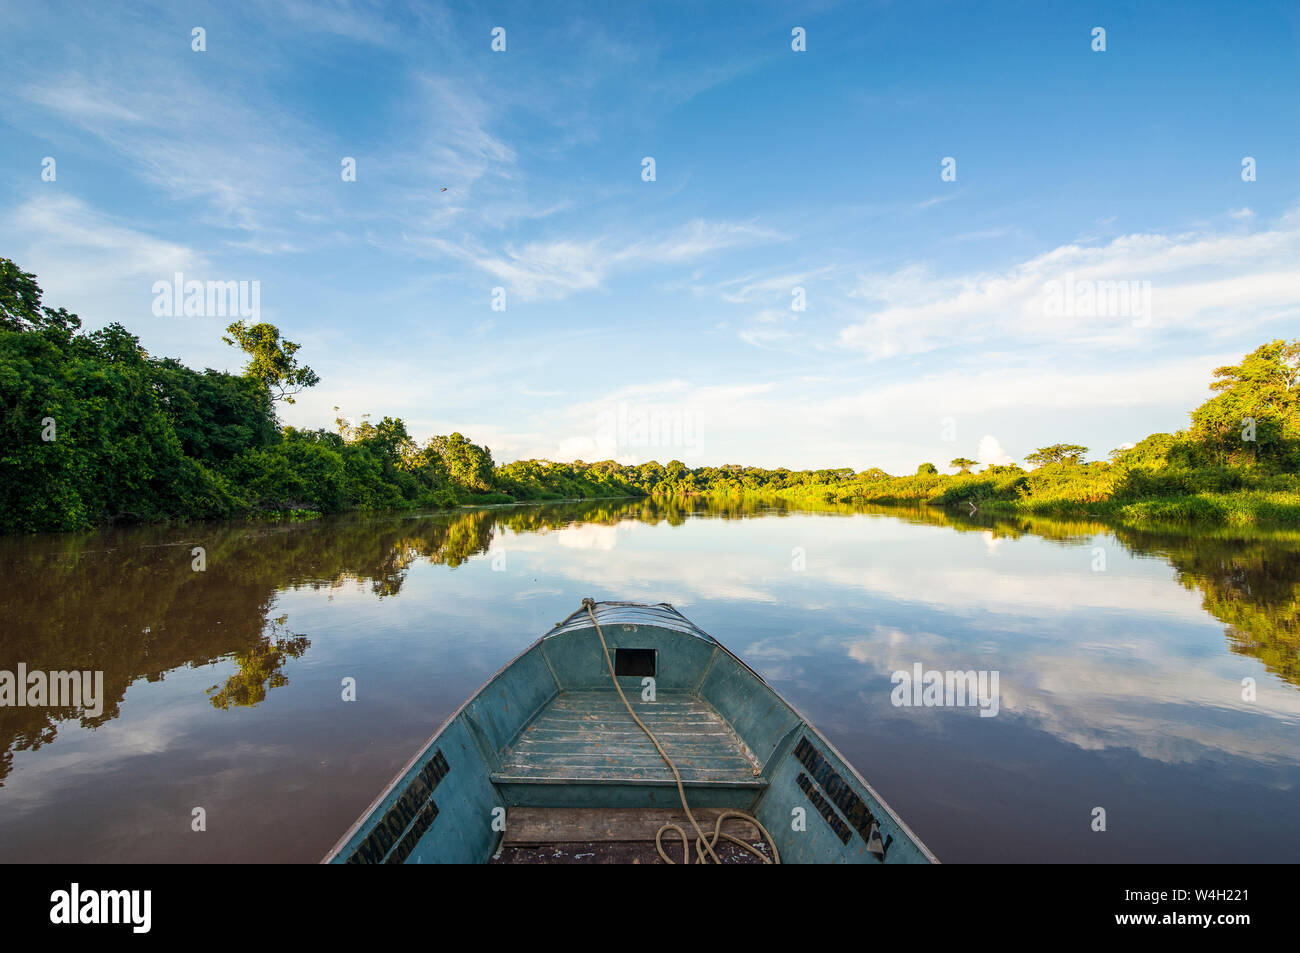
pixel 677 747
pixel 581 774
pixel 647 760
pixel 591 736
pixel 537 825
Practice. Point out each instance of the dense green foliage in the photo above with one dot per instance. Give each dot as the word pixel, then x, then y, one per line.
pixel 94 430
pixel 91 428
pixel 1254 416
pixel 1238 462
pixel 1166 476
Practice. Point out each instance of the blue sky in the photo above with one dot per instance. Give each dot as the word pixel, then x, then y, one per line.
pixel 653 319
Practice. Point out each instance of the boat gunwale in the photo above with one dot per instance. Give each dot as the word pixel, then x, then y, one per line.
pixel 424 749
pixel 893 815
pixel 419 755
pixel 694 631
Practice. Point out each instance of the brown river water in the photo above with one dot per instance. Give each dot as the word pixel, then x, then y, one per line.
pixel 1154 674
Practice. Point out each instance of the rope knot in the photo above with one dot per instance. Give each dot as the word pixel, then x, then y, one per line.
pixel 589 603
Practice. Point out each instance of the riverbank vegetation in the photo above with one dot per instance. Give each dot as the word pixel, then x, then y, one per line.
pixel 1237 462
pixel 94 430
pixel 1164 478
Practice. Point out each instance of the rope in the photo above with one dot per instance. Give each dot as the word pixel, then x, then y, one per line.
pixel 704 845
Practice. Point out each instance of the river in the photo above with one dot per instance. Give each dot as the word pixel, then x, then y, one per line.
pixel 1154 675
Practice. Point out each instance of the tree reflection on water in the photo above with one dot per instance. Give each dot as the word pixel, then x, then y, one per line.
pixel 128 603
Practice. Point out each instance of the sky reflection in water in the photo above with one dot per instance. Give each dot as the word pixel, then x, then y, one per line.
pixel 1120 688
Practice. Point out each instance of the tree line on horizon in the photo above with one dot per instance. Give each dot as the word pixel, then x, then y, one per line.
pixel 94 430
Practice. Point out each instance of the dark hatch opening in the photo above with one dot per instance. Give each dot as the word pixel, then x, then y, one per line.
pixel 634 661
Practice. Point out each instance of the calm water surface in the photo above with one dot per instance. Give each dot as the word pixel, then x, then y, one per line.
pixel 1121 687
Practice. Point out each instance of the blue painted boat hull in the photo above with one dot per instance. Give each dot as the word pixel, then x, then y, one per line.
pixel 549 731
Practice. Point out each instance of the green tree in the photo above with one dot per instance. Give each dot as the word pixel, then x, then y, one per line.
pixel 21 308
pixel 1067 453
pixel 469 464
pixel 926 469
pixel 1255 413
pixel 85 435
pixel 874 475
pixel 271 359
pixel 963 464
pixel 216 416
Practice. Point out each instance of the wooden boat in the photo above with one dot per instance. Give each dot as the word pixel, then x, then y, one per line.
pixel 547 763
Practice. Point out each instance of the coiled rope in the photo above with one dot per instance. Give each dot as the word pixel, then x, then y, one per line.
pixel 704 844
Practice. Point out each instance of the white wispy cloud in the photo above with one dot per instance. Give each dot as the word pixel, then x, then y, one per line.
pixel 1212 283
pixel 74 99
pixel 91 262
pixel 356 22
pixel 894 424
pixel 766 337
pixel 459 144
pixel 178 138
pixel 559 267
pixel 251 162
pixel 754 288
